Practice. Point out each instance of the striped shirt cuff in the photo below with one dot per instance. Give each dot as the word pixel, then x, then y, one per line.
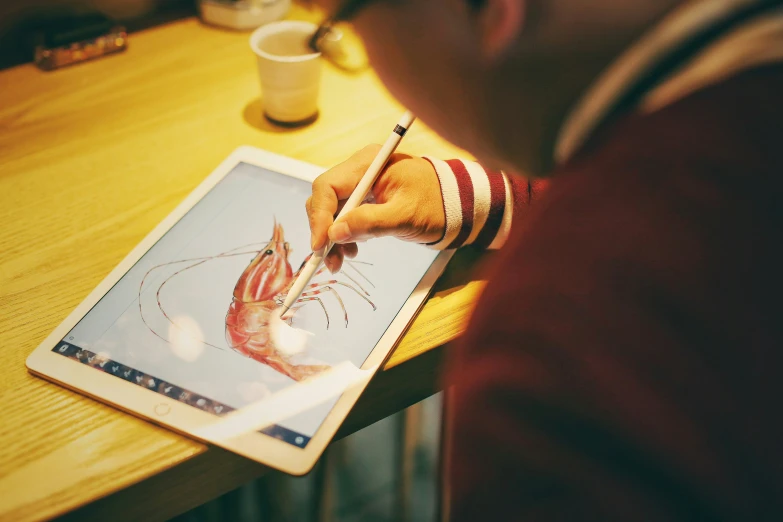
pixel 479 204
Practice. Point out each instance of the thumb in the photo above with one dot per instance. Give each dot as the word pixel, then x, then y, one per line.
pixel 367 221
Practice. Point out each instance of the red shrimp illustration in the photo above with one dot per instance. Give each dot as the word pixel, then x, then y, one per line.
pixel 260 289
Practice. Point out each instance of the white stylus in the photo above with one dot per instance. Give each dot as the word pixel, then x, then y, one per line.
pixel 356 198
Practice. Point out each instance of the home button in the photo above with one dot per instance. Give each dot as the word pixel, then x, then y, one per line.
pixel 162 409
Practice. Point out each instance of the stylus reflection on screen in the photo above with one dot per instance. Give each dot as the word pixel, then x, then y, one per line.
pixel 288 339
pixel 186 338
pixel 286 403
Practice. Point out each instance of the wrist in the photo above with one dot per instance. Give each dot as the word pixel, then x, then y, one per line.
pixel 449 203
pixel 478 204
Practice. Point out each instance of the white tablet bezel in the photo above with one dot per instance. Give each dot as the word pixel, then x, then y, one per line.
pixel 187 419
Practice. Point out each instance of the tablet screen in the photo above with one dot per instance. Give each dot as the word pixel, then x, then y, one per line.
pixel 190 319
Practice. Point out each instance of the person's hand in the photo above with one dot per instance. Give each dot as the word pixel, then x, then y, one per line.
pixel 408 205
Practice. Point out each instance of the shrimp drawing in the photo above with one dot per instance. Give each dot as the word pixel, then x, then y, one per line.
pixel 260 289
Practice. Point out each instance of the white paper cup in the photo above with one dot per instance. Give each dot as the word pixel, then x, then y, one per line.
pixel 290 72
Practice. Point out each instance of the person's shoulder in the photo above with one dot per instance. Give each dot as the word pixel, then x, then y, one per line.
pixel 648 184
pixel 732 125
pixel 660 207
pixel 630 316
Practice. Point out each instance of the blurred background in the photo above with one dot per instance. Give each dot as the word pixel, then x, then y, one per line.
pixel 20 19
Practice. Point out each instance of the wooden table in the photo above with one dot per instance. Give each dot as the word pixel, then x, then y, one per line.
pixel 91 159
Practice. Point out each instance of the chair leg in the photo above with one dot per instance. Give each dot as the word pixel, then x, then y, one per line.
pixel 272 498
pixel 442 506
pixel 323 480
pixel 409 430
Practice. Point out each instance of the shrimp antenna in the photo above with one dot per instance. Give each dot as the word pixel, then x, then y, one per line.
pixel 352 263
pixel 194 263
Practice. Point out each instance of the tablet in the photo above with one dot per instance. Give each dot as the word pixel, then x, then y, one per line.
pixel 179 332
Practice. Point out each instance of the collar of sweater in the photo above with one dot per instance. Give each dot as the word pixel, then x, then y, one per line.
pixel 757 41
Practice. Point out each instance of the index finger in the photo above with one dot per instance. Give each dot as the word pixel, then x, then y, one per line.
pixel 332 186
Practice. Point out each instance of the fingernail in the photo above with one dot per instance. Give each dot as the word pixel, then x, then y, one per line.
pixel 339 232
pixel 315 244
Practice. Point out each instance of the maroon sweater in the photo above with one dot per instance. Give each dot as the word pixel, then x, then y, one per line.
pixel 625 360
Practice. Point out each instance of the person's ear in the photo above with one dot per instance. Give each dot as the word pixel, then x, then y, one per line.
pixel 500 23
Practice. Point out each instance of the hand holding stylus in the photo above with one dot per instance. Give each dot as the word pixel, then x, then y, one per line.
pixel 357 196
pixel 408 205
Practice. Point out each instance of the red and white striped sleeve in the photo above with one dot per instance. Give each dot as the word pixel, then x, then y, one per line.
pixel 480 203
